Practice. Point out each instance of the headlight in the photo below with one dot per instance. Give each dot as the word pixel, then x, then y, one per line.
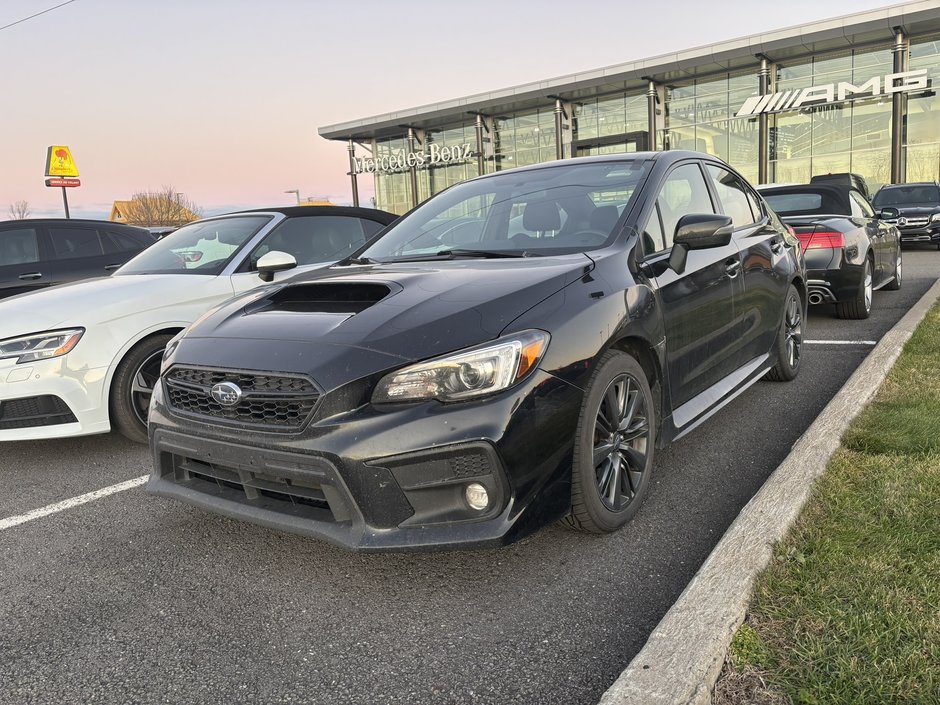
pixel 40 346
pixel 935 217
pixel 170 349
pixel 466 374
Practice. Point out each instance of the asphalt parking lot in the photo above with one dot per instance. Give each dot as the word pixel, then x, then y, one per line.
pixel 132 598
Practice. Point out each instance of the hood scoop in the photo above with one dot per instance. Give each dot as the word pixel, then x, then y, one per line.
pixel 332 297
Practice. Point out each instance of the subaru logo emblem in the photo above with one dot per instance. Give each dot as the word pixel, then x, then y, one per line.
pixel 226 393
pixel 902 221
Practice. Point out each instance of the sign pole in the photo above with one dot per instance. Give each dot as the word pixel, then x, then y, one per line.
pixel 65 200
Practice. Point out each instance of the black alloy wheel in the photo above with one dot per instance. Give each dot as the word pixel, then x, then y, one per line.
pixel 859 306
pixel 788 350
pixel 895 283
pixel 614 444
pixel 133 386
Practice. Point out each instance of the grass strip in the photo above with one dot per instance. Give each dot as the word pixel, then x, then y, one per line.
pixel 848 611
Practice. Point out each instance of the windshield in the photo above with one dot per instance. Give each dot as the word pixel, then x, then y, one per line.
pixel 555 210
pixel 924 194
pixel 203 247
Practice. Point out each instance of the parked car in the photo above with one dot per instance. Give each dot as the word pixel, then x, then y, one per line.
pixel 39 252
pixel 914 208
pixel 850 251
pixel 465 385
pixel 82 358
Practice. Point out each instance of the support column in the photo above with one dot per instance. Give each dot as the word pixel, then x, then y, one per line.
pixel 651 115
pixel 352 173
pixel 763 128
pixel 899 112
pixel 413 169
pixel 559 129
pixel 481 165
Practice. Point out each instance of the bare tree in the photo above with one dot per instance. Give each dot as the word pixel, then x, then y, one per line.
pixel 164 207
pixel 19 210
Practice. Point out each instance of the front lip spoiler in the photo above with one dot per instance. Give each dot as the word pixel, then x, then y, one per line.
pixel 351 532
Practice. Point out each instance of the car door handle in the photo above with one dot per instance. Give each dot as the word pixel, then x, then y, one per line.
pixel 776 246
pixel 31 275
pixel 109 267
pixel 733 268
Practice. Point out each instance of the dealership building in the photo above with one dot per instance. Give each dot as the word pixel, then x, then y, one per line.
pixel 854 93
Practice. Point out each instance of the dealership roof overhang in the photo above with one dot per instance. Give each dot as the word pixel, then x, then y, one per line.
pixel 840 33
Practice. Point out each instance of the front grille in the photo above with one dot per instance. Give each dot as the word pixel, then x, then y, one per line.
pixel 914 222
pixel 46 410
pixel 274 402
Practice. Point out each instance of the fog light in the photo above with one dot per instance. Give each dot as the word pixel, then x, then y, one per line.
pixel 477 496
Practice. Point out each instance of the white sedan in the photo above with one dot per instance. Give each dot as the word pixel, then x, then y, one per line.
pixel 82 358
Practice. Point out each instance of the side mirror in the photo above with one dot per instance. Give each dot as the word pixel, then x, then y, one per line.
pixel 698 231
pixel 274 261
pixel 889 214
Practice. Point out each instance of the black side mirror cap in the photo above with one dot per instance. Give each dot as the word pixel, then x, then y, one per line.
pixel 889 214
pixel 698 231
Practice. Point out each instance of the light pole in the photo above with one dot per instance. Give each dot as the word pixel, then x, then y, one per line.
pixel 296 192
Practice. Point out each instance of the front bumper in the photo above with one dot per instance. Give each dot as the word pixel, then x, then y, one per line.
pixel 929 233
pixel 48 399
pixel 376 479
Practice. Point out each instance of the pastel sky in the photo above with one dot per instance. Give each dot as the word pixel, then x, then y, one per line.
pixel 222 98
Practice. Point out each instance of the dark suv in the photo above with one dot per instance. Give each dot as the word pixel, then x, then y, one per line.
pixel 918 207
pixel 37 253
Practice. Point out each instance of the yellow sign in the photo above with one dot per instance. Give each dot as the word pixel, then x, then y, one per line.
pixel 59 161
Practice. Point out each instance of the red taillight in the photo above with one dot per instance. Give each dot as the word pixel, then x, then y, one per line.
pixel 821 240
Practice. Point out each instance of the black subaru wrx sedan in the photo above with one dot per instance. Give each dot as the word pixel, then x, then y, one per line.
pixel 509 353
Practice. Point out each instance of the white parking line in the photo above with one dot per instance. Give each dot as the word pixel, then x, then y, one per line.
pixel 73 502
pixel 842 342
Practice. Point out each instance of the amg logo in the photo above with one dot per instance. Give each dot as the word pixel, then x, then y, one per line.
pixel 904 82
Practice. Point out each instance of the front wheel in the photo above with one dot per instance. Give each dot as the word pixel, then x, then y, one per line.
pixel 859 306
pixel 133 385
pixel 613 448
pixel 788 350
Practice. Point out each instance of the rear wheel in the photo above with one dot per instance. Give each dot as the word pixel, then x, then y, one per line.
pixel 788 350
pixel 133 385
pixel 859 306
pixel 613 449
pixel 895 283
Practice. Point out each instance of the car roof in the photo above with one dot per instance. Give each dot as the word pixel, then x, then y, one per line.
pixel 294 211
pixel 71 221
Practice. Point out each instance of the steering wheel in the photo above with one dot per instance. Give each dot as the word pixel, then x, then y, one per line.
pixel 587 237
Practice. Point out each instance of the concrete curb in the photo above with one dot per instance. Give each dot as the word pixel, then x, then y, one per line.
pixel 680 662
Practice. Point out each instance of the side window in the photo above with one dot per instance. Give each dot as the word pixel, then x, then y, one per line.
pixel 756 208
pixel 115 241
pixel 370 227
pixel 20 246
pixel 733 196
pixel 683 192
pixel 73 243
pixel 313 239
pixel 860 206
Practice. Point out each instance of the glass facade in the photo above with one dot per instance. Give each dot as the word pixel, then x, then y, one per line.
pixel 847 136
pixel 922 136
pixel 700 114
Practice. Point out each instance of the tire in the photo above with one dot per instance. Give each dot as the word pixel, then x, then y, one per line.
pixel 788 349
pixel 895 283
pixel 859 306
pixel 601 451
pixel 132 387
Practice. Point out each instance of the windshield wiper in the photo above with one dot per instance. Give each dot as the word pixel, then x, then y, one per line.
pixel 461 253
